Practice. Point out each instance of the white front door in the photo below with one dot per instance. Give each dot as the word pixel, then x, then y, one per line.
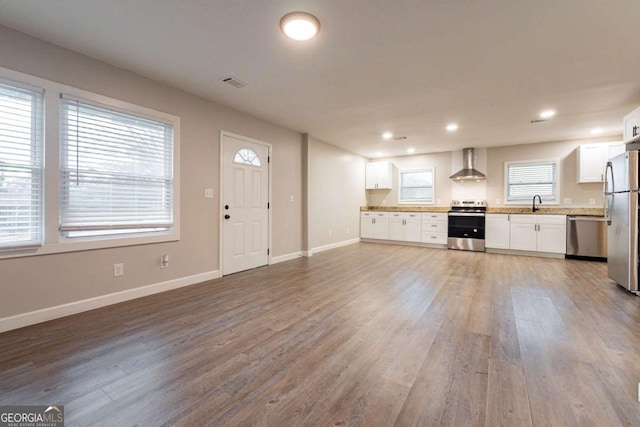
pixel 245 198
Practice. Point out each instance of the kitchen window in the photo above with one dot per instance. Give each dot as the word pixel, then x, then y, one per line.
pixel 523 180
pixel 116 171
pixel 21 166
pixel 416 186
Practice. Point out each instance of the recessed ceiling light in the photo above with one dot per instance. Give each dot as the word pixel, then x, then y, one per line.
pixel 387 135
pixel 547 114
pixel 411 150
pixel 299 25
pixel 452 127
pixel 379 154
pixel 596 131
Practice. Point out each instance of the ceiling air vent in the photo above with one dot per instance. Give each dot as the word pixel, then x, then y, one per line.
pixel 234 82
pixel 539 120
pixel 399 138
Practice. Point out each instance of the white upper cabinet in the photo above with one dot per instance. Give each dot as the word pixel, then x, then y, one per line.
pixel 592 159
pixel 379 175
pixel 631 123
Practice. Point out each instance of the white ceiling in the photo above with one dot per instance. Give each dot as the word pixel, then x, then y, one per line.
pixel 409 67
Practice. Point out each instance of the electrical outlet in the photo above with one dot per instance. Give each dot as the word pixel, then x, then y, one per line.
pixel 330 232
pixel 498 201
pixel 164 261
pixel 439 202
pixel 118 270
pixel 291 198
pixel 592 201
pixel 208 193
pixel 348 230
pixel 567 200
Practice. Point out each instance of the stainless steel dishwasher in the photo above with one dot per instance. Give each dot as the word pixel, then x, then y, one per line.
pixel 586 237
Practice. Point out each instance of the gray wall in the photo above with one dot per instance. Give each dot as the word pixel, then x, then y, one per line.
pixel 491 161
pixel 564 151
pixel 440 161
pixel 32 283
pixel 335 192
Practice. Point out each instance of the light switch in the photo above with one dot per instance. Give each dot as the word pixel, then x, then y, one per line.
pixel 208 193
pixel 592 201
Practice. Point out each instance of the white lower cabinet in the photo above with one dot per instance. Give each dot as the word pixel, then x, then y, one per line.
pixel 497 231
pixel 374 225
pixel 552 233
pixel 538 233
pixel 434 228
pixel 404 226
pixel 524 232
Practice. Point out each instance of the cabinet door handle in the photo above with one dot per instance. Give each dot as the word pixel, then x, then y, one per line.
pixel 373 221
pixel 635 131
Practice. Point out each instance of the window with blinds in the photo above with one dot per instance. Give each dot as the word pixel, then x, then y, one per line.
pixel 416 186
pixel 21 167
pixel 525 180
pixel 116 171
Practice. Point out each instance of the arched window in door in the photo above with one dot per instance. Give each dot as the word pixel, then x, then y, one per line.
pixel 246 156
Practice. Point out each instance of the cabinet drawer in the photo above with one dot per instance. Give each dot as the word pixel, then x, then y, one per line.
pixel 524 219
pixel 552 219
pixel 434 227
pixel 432 237
pixel 431 216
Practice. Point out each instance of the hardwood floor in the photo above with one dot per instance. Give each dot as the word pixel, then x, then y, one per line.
pixel 368 334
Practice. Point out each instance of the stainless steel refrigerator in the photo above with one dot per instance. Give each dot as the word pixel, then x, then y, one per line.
pixel 621 214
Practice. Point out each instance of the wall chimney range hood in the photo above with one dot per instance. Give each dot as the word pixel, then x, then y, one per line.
pixel 468 172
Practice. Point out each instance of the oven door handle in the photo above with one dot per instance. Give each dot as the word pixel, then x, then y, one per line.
pixel 466 214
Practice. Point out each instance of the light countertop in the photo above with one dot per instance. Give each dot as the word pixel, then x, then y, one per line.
pixel 493 210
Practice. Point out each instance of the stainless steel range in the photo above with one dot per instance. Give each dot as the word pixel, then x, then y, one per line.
pixel 466 225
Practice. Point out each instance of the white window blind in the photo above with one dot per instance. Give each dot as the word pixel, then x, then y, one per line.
pixel 416 186
pixel 21 167
pixel 116 171
pixel 525 180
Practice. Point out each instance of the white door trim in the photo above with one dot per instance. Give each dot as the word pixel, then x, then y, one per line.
pixel 224 133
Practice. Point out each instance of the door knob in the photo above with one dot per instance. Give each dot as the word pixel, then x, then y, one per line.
pixel 227 216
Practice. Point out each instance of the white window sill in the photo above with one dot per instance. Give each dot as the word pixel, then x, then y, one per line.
pixel 86 244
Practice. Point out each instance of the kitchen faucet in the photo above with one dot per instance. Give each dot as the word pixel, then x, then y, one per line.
pixel 534 202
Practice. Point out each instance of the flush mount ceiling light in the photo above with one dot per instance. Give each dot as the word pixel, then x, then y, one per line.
pixel 411 150
pixel 299 25
pixel 547 114
pixel 596 131
pixel 452 127
pixel 387 135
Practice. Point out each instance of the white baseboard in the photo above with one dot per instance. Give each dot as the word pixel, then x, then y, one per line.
pixel 307 254
pixel 286 257
pixel 333 246
pixel 50 313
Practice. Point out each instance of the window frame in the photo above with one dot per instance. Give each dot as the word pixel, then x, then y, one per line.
pixel 39 166
pixel 402 201
pixel 109 231
pixel 528 199
pixel 53 240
